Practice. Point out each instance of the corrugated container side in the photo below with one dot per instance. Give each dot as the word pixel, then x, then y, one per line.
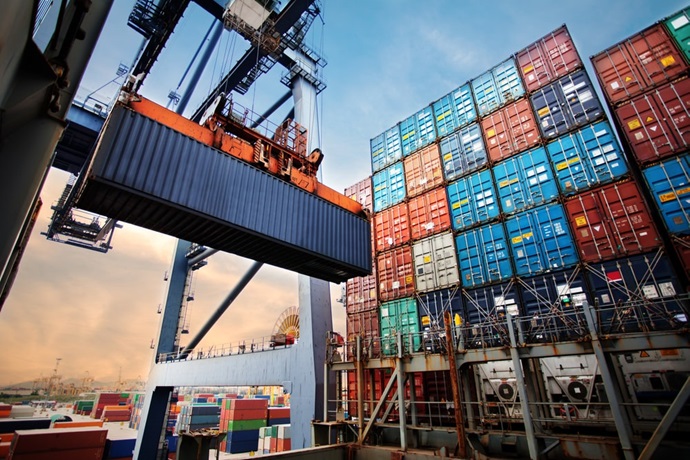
pixel 399 316
pixel 423 170
pixel 566 104
pixel 508 81
pixel 611 222
pixel 678 26
pixel 669 184
pixel 362 193
pixel 486 94
pixel 524 181
pixel 396 273
pixel 417 131
pixel 463 152
pixel 360 293
pixel 510 130
pixel 386 149
pixel 643 289
pixel 540 240
pixel 454 110
pixel 553 301
pixel 638 63
pixel 389 187
pixel 432 307
pixel 486 308
pixel 473 200
pixel 204 195
pixel 586 158
pixel 429 213
pixel 682 246
pixel 392 227
pixel 483 255
pixel 547 59
pixel 366 325
pixel 435 263
pixel 657 124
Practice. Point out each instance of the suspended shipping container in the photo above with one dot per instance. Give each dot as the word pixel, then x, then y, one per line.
pixel 524 181
pixel 669 184
pixel 454 110
pixel 566 104
pixel 400 316
pixel 657 123
pixel 510 130
pixel 386 149
pixel 586 158
pixel 392 227
pixel 435 263
pixel 417 131
pixel 423 170
pixel 396 273
pixel 638 63
pixel 463 152
pixel 540 240
pixel 547 59
pixel 389 187
pixel 429 213
pixel 473 200
pixel 483 255
pixel 611 222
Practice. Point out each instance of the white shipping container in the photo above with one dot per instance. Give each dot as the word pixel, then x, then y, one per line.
pixel 435 263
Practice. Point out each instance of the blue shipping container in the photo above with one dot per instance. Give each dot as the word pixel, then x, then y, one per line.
pixel 244 435
pixel 637 292
pixel 540 240
pixel 473 200
pixel 389 187
pixel 485 93
pixel 454 110
pixel 417 131
pixel 587 158
pixel 508 80
pixel 121 448
pixel 486 308
pixel 483 255
pixel 566 104
pixel 386 149
pixel 462 152
pixel 669 183
pixel 432 307
pixel 525 180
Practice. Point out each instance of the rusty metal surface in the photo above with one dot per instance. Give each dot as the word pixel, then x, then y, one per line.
pixel 459 422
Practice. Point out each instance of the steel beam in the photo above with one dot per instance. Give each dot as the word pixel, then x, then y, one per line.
pixel 379 405
pixel 402 416
pixel 524 402
pixel 612 390
pixel 666 422
pixel 455 382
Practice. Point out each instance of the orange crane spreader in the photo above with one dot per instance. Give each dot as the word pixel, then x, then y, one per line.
pixel 284 154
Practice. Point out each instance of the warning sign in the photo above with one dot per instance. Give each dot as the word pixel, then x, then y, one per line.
pixel 634 124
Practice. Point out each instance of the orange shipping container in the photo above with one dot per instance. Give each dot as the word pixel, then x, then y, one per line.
pixel 95 423
pixel 510 130
pixel 429 214
pixel 361 293
pixel 396 273
pixel 391 227
pixel 273 445
pixel 283 445
pixel 423 170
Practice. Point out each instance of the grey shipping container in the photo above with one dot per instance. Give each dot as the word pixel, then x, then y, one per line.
pixel 147 174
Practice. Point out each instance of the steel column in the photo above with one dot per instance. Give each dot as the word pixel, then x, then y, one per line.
pixel 524 402
pixel 455 382
pixel 382 400
pixel 153 419
pixel 203 256
pixel 360 387
pixel 666 422
pixel 402 416
pixel 612 391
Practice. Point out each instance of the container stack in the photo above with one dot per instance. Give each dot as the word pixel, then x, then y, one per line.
pixel 58 444
pixel 274 438
pixel 515 196
pixel 83 407
pixel 107 399
pixel 117 413
pixel 198 416
pixel 242 419
pixel 278 416
pixel 646 85
pixel 5 410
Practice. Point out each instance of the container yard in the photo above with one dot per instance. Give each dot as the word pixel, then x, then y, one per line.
pixel 515 264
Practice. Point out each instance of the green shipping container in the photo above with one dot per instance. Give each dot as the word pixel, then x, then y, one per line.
pixel 399 316
pixel 678 26
pixel 245 425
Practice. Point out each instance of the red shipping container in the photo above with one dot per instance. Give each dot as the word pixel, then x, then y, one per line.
pixel 360 293
pixel 375 382
pixel 362 193
pixel 4 449
pixel 682 246
pixel 429 214
pixel 548 59
pixel 248 404
pixel 28 441
pixel 246 414
pixel 283 445
pixel 392 227
pixel 273 445
pixel 396 273
pixel 510 130
pixel 638 63
pixel 278 412
pixel 423 170
pixel 89 453
pixel 657 124
pixel 611 222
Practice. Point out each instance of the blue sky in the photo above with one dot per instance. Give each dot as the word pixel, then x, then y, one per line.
pixel 387 59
